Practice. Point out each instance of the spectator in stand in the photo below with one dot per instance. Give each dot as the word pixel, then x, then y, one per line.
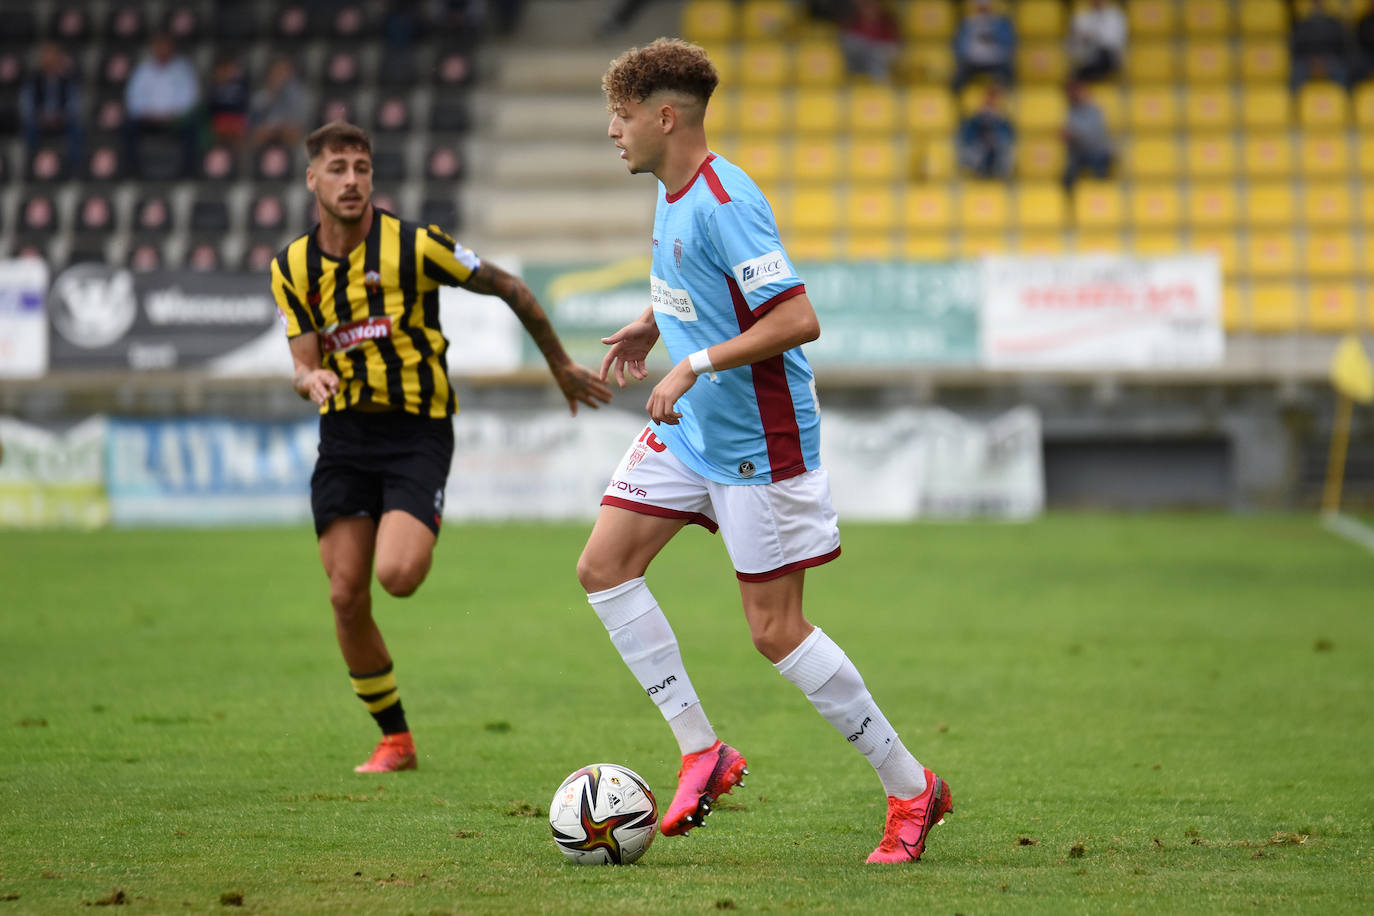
pixel 226 100
pixel 161 97
pixel 870 38
pixel 1097 40
pixel 987 138
pixel 1087 143
pixel 279 109
pixel 985 44
pixel 1364 44
pixel 50 103
pixel 1320 44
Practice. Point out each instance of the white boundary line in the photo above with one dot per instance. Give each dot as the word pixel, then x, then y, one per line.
pixel 1349 528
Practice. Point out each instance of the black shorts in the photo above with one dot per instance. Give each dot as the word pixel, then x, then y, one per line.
pixel 371 463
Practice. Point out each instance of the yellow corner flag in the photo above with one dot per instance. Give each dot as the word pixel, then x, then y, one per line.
pixel 1353 378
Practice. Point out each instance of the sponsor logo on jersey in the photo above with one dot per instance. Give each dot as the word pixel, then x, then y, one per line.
pixel 746 469
pixel 761 271
pixel 344 337
pixel 670 301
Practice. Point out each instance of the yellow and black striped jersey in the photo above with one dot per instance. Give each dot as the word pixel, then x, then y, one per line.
pixel 377 312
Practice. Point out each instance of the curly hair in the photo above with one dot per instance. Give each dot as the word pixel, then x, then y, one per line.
pixel 337 135
pixel 664 64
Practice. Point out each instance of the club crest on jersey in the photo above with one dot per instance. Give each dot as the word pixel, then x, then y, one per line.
pixel 677 253
pixel 372 280
pixel 344 337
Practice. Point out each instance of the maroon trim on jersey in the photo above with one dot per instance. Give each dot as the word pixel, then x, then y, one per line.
pixel 776 410
pixel 692 518
pixel 780 297
pixel 789 568
pixel 711 179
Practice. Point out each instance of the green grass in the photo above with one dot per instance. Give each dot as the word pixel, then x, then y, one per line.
pixel 1137 714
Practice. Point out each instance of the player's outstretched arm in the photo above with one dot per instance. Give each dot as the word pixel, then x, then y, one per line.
pixel 310 380
pixel 577 384
pixel 630 346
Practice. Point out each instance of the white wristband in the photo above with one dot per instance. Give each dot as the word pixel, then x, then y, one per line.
pixel 701 363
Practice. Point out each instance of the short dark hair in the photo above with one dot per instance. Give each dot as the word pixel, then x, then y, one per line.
pixel 337 135
pixel 664 64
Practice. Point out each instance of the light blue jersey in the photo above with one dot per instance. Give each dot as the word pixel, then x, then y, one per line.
pixel 718 266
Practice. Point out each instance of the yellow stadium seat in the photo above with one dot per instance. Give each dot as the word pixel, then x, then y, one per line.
pixel 971 98
pixel 873 159
pixel 1155 207
pixel 1265 107
pixel 1323 155
pixel 1328 204
pixel 1274 307
pixel 1097 206
pixel 926 63
pixel 1209 108
pixel 1039 109
pixel 1039 18
pixel 1264 60
pixel 720 114
pixel 930 110
pixel 764 64
pixel 1329 255
pixel 1041 62
pixel 1332 307
pixel 1041 243
pixel 1269 254
pixel 1362 97
pixel 1211 156
pixel 984 207
pixel 817 111
pixel 1208 62
pixel 819 64
pixel 1224 245
pixel 1152 109
pixel 810 246
pixel 927 210
pixel 723 57
pixel 816 160
pixel 1212 205
pixel 929 19
pixel 872 109
pixel 815 209
pixel 1040 156
pixel 762 19
pixel 1234 315
pixel 870 209
pixel 1109 99
pixel 1264 18
pixel 1267 155
pixel 1153 18
pixel 709 20
pixel 868 246
pixel 927 247
pixel 1365 161
pixel 725 144
pixel 1269 204
pixel 1153 157
pixel 760 111
pixel 1323 106
pixel 1151 244
pixel 1040 207
pixel 978 244
pixel 762 158
pixel 1099 242
pixel 1206 17
pixel 933 160
pixel 1151 62
pixel 1366 209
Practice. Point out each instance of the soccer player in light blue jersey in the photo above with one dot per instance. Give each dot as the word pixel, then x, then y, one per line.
pixel 732 445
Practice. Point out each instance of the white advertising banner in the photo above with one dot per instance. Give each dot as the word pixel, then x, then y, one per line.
pixel 53 479
pixel 23 318
pixel 1102 312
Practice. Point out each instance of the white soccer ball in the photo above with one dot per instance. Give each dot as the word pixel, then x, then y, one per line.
pixel 603 814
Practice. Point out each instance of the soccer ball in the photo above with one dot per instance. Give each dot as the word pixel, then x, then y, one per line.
pixel 603 814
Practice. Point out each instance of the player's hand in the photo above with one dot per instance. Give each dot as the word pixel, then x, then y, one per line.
pixel 629 348
pixel 666 393
pixel 580 386
pixel 319 385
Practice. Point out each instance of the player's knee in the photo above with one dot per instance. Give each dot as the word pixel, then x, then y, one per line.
pixel 349 599
pixel 596 575
pixel 401 578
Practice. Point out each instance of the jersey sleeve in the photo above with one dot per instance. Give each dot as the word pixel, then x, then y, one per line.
pixel 445 261
pixel 294 315
pixel 745 235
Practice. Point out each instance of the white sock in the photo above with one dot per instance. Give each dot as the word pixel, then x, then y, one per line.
pixel 640 632
pixel 822 671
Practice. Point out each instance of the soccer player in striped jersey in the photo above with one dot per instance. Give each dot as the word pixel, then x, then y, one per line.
pixel 359 296
pixel 732 445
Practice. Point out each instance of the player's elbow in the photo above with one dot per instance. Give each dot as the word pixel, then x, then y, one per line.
pixel 807 329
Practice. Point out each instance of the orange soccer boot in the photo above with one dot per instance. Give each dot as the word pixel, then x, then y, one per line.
pixel 394 752
pixel 909 821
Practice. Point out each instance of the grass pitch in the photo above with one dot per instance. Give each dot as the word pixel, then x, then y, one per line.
pixel 1139 714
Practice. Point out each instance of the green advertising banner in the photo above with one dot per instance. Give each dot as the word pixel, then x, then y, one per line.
pixel 887 314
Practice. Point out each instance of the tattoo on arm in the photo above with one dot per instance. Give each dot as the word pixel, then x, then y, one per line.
pixel 493 281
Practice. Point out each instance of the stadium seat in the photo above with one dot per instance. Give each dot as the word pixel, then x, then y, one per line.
pixel 441 212
pixel 1267 155
pixel 144 256
pixel 1328 255
pixel 397 68
pixel 339 106
pixel 928 19
pixel 1155 244
pixel 1323 106
pixel 817 111
pixel 1206 18
pixel 1112 103
pixel 1269 204
pixel 1152 18
pixel 1274 307
pixel 815 209
pixel 392 115
pixel 927 210
pixel 1211 156
pixel 449 114
pixel 257 254
pixel 1098 242
pixel 1265 107
pixel 1264 60
pixel 11 70
pixel 810 246
pixel 267 212
pixel 236 23
pixel 868 246
pixel 1234 311
pixel 70 23
pixel 1039 109
pixel 153 215
pixel 1328 204
pixel 1098 206
pixel 348 24
pixel 1040 157
pixel 979 244
pixel 1208 62
pixel 444 162
pixel 1038 18
pixel 819 64
pixel 930 111
pixel 1364 162
pixel 159 158
pixel 1332 307
pixel 1154 207
pixel 765 64
pixel 984 207
pixel 103 163
pixel 38 213
pixel 273 163
pixel 1263 18
pixel 115 67
pixel 927 247
pixel 453 70
pixel 95 213
pixel 1152 109
pixel 389 162
pixel 1209 108
pixel 209 214
pixel 764 19
pixel 870 209
pixel 1041 63
pixel 1224 245
pixel 219 163
pixel 873 160
pixel 342 69
pixel 1362 104
pixel 1212 205
pixel 1153 157
pixel 203 256
pixel 125 25
pixel 709 20
pixel 1040 207
pixel 1041 243
pixel 815 160
pixel 45 165
pixel 1323 155
pixel 926 63
pixel 21 27
pixel 872 109
pixel 762 158
pixel 1269 254
pixel 182 20
pixel 760 111
pixel 1151 62
pixel 933 160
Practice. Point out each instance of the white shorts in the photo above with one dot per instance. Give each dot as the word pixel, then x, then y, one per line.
pixel 770 529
